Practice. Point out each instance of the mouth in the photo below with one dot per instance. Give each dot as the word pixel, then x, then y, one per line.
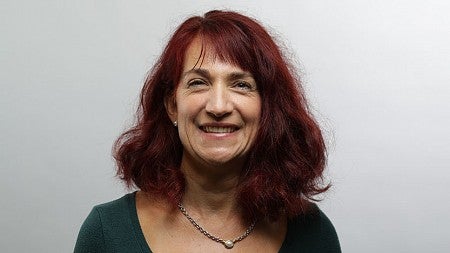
pixel 218 129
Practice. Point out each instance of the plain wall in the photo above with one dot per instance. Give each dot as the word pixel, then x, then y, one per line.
pixel 376 73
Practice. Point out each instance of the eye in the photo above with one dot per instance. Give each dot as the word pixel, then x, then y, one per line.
pixel 244 85
pixel 196 82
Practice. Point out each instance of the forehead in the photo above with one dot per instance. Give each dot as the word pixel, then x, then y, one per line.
pixel 196 54
pixel 201 54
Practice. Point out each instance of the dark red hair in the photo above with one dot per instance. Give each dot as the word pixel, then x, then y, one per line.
pixel 286 163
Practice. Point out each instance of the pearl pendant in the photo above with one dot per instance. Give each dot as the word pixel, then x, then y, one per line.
pixel 228 244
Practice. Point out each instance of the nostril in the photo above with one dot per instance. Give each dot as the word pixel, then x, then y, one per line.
pixel 218 115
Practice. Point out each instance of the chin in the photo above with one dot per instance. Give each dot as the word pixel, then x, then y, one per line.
pixel 219 160
pixel 216 161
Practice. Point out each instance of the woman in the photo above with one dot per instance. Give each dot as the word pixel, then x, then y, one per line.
pixel 225 153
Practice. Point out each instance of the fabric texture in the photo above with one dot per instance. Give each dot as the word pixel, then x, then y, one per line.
pixel 114 227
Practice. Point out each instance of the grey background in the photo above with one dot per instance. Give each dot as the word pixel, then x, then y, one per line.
pixel 376 72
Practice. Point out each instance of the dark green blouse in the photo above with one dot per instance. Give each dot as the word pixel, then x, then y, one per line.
pixel 114 227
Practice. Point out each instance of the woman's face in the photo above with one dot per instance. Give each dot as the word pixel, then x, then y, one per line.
pixel 217 107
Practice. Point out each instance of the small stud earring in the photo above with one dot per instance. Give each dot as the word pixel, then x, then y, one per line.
pixel 175 124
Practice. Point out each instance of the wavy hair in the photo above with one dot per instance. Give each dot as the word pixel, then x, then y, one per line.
pixel 286 163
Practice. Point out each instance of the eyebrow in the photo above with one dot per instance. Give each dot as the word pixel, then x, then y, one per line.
pixel 198 71
pixel 205 73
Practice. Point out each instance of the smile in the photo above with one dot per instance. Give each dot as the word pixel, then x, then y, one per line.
pixel 219 130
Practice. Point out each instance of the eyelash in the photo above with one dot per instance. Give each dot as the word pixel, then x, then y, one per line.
pixel 243 85
pixel 196 82
pixel 239 84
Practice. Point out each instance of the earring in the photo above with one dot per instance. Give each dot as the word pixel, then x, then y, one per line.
pixel 175 123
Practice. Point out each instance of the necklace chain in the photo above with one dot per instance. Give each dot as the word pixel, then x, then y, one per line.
pixel 227 243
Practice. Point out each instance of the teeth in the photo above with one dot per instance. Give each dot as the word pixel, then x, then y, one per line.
pixel 212 129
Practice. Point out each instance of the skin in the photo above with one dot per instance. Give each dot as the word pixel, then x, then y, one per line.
pixel 217 107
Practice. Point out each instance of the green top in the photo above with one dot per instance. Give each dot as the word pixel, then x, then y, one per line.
pixel 114 227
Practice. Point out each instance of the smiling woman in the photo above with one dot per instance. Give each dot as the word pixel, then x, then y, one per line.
pixel 225 153
pixel 217 107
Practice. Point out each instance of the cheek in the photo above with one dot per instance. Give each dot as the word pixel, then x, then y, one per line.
pixel 254 110
pixel 188 108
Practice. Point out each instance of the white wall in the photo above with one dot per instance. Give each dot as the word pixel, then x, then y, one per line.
pixel 377 73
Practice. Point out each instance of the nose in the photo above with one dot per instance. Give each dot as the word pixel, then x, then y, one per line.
pixel 219 104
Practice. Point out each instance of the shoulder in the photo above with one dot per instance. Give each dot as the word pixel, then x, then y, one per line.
pixel 104 224
pixel 116 209
pixel 312 232
pixel 111 214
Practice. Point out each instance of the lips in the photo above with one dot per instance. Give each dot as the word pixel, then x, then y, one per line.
pixel 218 129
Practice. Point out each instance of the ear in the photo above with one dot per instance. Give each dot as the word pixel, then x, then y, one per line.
pixel 171 107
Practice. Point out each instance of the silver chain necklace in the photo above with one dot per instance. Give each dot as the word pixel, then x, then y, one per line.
pixel 227 243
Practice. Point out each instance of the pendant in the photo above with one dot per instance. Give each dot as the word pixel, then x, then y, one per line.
pixel 228 244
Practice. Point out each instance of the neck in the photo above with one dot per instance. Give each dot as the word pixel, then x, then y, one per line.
pixel 211 190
